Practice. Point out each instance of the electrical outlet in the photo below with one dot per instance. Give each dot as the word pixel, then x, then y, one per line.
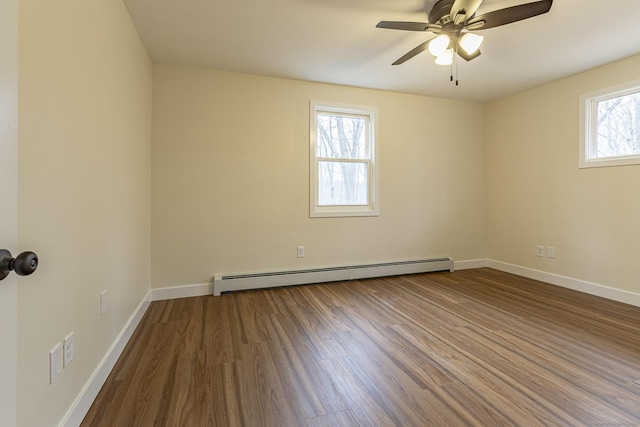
pixel 300 251
pixel 55 363
pixel 551 252
pixel 67 346
pixel 103 302
pixel 540 250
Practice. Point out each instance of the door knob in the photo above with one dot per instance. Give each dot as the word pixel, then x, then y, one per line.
pixel 24 264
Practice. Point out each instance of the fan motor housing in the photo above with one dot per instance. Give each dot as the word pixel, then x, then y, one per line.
pixel 440 12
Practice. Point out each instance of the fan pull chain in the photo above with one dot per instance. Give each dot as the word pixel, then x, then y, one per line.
pixel 451 71
pixel 456 59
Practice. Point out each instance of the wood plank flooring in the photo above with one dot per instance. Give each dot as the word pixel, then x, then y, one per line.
pixel 469 348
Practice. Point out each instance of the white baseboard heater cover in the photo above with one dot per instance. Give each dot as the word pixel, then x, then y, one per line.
pixel 240 282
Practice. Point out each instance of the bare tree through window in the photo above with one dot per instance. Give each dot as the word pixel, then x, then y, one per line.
pixel 342 145
pixel 618 126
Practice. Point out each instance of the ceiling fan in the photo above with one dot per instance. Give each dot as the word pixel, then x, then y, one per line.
pixel 454 23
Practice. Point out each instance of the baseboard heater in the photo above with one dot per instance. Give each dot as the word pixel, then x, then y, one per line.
pixel 240 282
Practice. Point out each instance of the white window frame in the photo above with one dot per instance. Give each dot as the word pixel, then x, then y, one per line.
pixel 371 209
pixel 588 104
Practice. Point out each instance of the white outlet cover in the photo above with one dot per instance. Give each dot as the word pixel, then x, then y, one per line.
pixel 55 363
pixel 68 353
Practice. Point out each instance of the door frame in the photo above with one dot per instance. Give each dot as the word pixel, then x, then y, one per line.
pixel 9 207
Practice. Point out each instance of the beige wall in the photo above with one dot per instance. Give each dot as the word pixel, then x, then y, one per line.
pixel 538 196
pixel 83 192
pixel 230 178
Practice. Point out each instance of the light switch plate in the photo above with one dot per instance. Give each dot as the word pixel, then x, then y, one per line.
pixel 551 252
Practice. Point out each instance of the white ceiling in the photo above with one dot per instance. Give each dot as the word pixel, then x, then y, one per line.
pixel 336 41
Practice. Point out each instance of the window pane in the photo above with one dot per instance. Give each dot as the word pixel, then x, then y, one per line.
pixel 342 183
pixel 618 126
pixel 341 136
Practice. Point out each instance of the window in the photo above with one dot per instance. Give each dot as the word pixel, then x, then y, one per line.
pixel 610 126
pixel 342 160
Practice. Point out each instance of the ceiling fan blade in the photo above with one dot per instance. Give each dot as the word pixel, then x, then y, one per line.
pixel 464 55
pixel 413 52
pixel 406 26
pixel 464 9
pixel 509 15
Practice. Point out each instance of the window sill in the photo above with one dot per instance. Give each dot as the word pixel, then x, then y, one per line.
pixel 338 213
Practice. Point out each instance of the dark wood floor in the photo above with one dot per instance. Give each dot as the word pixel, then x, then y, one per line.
pixel 474 347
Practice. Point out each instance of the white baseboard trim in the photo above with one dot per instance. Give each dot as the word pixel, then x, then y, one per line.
pixel 603 291
pixel 196 290
pixel 184 291
pixel 568 282
pixel 470 264
pixel 90 391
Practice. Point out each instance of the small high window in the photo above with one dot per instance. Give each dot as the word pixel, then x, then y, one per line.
pixel 342 160
pixel 610 126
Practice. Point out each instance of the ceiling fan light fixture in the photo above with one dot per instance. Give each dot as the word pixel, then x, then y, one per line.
pixel 439 45
pixel 471 42
pixel 445 58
